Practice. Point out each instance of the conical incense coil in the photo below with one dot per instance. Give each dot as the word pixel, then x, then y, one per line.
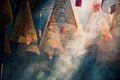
pixel 108 6
pixel 62 14
pixel 51 38
pixel 24 29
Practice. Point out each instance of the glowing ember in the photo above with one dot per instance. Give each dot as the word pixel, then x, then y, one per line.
pixel 53 44
pixel 28 39
pixel 50 53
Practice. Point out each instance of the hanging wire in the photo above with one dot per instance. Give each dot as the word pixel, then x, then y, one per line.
pixel 40 31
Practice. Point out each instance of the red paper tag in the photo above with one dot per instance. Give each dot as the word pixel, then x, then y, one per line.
pixel 96 7
pixel 53 44
pixel 63 29
pixel 78 3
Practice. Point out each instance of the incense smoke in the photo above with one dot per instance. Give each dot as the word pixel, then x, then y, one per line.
pixel 67 64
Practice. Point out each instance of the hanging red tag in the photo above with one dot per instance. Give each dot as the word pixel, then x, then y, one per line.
pixel 96 7
pixel 63 29
pixel 78 3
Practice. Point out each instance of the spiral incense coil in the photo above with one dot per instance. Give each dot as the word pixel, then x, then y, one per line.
pixel 5 13
pixel 108 6
pixel 41 4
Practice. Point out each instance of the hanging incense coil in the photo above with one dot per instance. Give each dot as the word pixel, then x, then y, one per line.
pixel 62 13
pixel 108 6
pixel 41 4
pixel 51 38
pixel 24 29
pixel 5 13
